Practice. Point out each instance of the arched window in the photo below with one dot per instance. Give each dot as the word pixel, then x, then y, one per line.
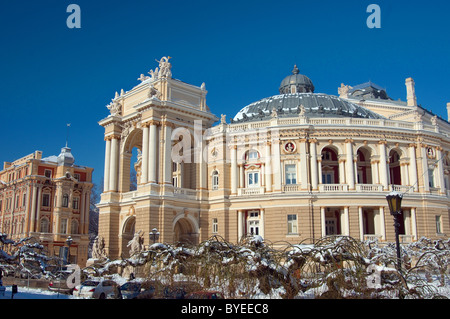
pixel 44 225
pixel 215 180
pixel 252 155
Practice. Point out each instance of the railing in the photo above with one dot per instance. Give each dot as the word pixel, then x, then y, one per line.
pixel 288 188
pixel 406 238
pixel 333 188
pixel 185 193
pixel 250 191
pixel 401 188
pixel 361 188
pixel 372 237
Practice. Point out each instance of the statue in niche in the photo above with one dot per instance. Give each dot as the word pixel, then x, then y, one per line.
pixel 98 248
pixel 138 166
pixel 135 244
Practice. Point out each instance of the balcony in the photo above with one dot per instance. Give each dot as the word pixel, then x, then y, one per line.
pixel 369 188
pixel 250 191
pixel 333 188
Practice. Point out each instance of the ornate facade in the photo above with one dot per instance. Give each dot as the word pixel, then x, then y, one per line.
pixel 294 166
pixel 48 199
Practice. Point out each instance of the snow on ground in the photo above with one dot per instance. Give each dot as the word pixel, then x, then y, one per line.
pixel 32 293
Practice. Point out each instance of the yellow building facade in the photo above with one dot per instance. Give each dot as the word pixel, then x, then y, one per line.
pixel 295 166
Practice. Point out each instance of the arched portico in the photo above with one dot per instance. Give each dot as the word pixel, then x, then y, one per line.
pixel 185 229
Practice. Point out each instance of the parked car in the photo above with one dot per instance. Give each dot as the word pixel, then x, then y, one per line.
pixel 179 290
pixel 205 295
pixel 97 289
pixel 59 284
pixel 130 290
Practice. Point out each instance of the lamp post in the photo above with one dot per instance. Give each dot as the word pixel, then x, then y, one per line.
pixel 394 200
pixel 69 242
pixel 154 235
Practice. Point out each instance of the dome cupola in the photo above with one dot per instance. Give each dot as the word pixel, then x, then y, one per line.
pixel 296 83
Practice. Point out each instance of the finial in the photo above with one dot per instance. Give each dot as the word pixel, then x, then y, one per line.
pixel 295 70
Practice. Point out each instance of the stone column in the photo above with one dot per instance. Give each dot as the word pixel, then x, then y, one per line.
pixel 145 138
pixel 346 221
pixel 114 165
pixel 361 223
pixel 167 169
pixel 152 152
pixel 268 168
pixel 323 221
pixel 261 224
pixel 440 170
pixel 276 167
pixel 383 166
pixel 240 225
pixel 107 164
pixel 383 224
pixel 33 208
pixel 303 165
pixel 349 163
pixel 413 223
pixel 234 170
pixel 241 176
pixel 413 167
pixel 424 161
pixel 314 170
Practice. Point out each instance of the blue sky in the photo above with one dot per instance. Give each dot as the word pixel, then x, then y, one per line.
pixel 51 75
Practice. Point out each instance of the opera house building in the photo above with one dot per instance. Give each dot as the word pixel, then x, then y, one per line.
pixel 294 166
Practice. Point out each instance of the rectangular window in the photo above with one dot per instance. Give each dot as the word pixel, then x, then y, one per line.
pixel 215 226
pixel 63 225
pixel 438 224
pixel 431 178
pixel 291 174
pixel 292 224
pixel 48 173
pixel 253 179
pixel 76 202
pixel 46 200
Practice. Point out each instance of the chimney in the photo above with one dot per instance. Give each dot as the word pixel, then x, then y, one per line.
pixel 410 92
pixel 448 111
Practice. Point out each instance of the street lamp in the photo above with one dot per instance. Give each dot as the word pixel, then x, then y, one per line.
pixel 394 200
pixel 154 235
pixel 69 242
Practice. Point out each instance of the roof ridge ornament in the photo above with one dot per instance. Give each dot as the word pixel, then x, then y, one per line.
pixel 295 70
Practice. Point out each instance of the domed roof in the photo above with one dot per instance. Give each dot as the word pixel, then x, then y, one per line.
pixel 297 96
pixel 296 83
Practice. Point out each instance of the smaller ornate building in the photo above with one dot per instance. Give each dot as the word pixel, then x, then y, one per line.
pixel 47 198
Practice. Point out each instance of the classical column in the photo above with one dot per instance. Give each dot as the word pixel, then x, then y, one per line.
pixel 261 224
pixel 145 138
pixel 383 225
pixel 268 168
pixel 424 161
pixel 303 165
pixel 167 169
pixel 413 167
pixel 33 207
pixel 234 170
pixel 276 167
pixel 361 223
pixel 346 221
pixel 314 171
pixel 86 212
pixel 440 170
pixel 413 223
pixel 350 166
pixel 341 162
pixel 241 176
pixel 323 221
pixel 383 165
pixel 114 165
pixel 240 225
pixel 82 209
pixel 152 152
pixel 38 207
pixel 107 164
